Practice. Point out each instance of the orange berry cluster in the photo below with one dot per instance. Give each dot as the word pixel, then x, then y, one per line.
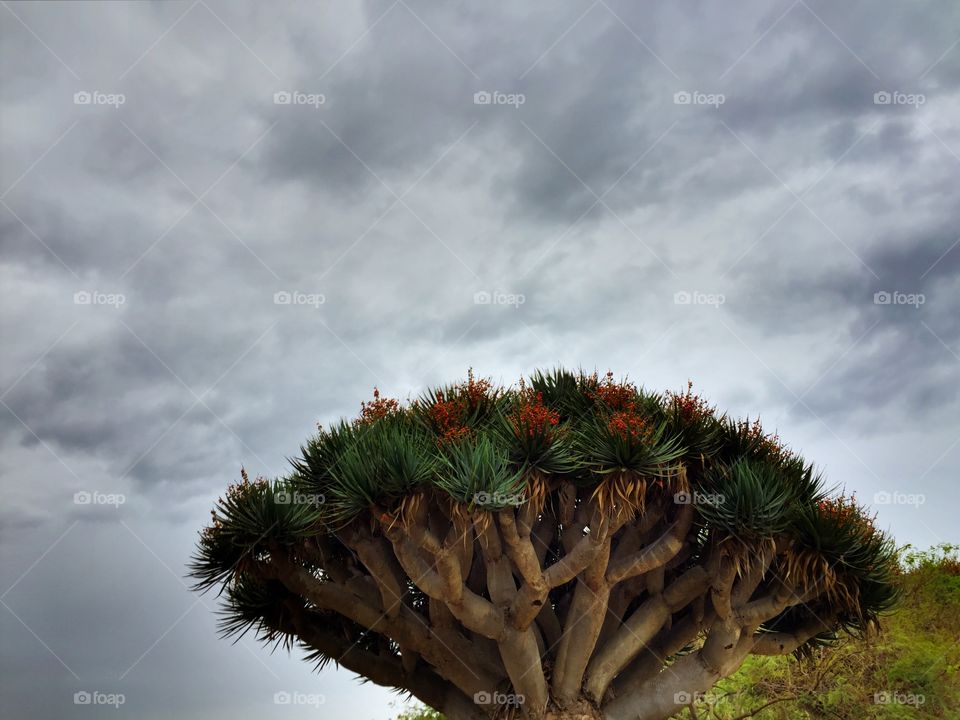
pixel 691 407
pixel 532 417
pixel 769 445
pixel 243 487
pixel 449 415
pixel 629 425
pixel 475 391
pixel 616 396
pixel 621 397
pixel 235 492
pixel 447 419
pixel 377 409
pixel 845 511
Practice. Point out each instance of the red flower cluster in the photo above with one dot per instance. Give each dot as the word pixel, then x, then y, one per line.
pixel 532 417
pixel 616 396
pixel 447 417
pixel 449 414
pixel 377 409
pixel 245 485
pixel 235 493
pixel 629 425
pixel 475 391
pixel 845 511
pixel 621 397
pixel 691 407
pixel 769 445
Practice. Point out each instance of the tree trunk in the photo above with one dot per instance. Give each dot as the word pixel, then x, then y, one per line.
pixel 577 710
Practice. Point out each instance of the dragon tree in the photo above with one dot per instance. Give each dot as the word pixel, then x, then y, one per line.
pixel 569 547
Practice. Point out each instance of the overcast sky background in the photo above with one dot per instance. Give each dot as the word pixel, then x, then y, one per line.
pixel 780 214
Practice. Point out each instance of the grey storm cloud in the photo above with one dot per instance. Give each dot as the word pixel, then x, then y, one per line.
pixel 675 191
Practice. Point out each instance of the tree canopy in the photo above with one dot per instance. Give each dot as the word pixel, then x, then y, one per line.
pixel 571 546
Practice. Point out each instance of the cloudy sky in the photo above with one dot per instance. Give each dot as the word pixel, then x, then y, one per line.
pixel 223 222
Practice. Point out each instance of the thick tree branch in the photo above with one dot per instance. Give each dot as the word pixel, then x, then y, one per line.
pixel 518 647
pixel 657 554
pixel 640 628
pixel 407 629
pixel 785 642
pixel 582 628
pixel 475 612
pixel 422 682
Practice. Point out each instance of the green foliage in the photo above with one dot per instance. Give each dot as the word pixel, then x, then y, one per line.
pixel 258 605
pixel 479 472
pixel 746 439
pixel 840 532
pixel 385 461
pixel 419 712
pixel 751 498
pixel 604 445
pixel 246 519
pixel 932 583
pixel 538 452
pixel 484 448
pixel 911 670
pixel 562 390
pixel 695 422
